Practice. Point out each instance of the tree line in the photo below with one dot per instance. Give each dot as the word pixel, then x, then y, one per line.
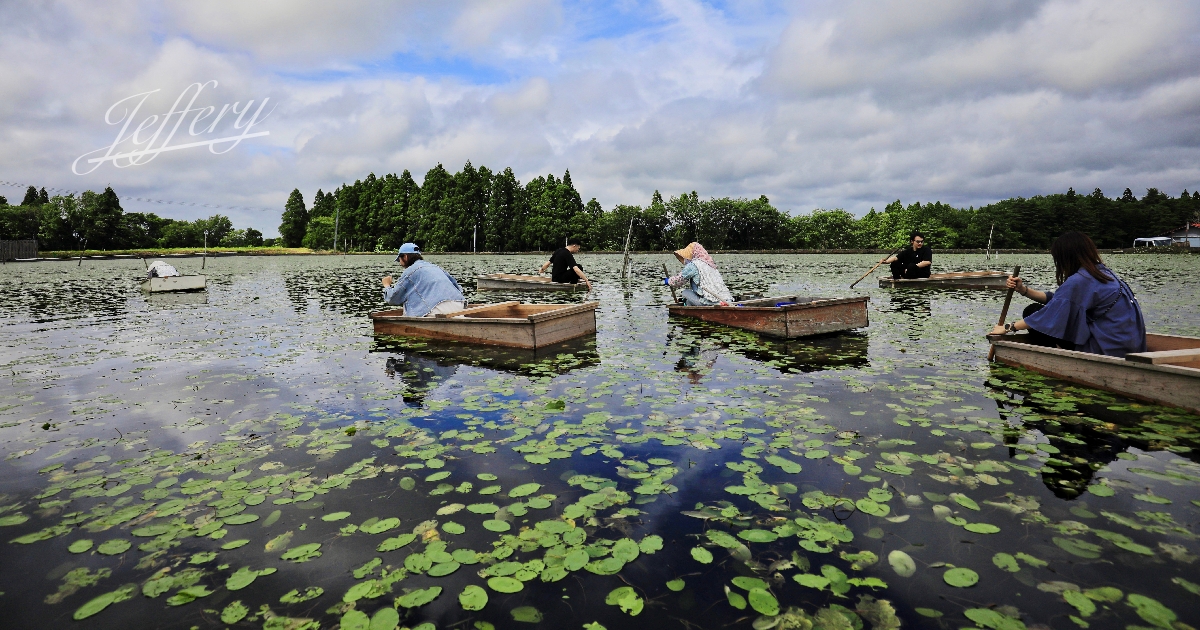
pixel 96 221
pixel 477 209
pixel 481 210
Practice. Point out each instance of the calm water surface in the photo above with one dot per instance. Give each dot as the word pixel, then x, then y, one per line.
pixel 253 457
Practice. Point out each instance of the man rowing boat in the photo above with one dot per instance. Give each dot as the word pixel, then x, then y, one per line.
pixel 424 289
pixel 914 262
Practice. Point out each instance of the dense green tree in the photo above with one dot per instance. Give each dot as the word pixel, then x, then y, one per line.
pixel 31 197
pixel 295 219
pixel 320 233
pixel 43 198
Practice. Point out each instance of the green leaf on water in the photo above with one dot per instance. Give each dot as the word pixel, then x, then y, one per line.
pixel 392 544
pixel 902 563
pixel 303 553
pixel 94 605
pixel 113 547
pixel 928 612
pixel 188 595
pixel 450 527
pixel 763 602
pixel 234 544
pixel 295 596
pixel 408 483
pixel 438 476
pixel 355 620
pixel 676 585
pixel 651 544
pixel 758 535
pixel 335 516
pixel 965 501
pixel 960 577
pixel 419 597
pixel 1006 561
pixel 524 490
pixel 1192 587
pixel 1151 611
pixel 493 525
pixel 627 599
pixel 989 618
pixel 981 528
pixel 1152 498
pixel 483 508
pixel 80 546
pixel 526 614
pixel 473 598
pixel 722 538
pixel 234 613
pixel 442 569
pixel 1081 602
pixel 386 618
pixel 243 577
pixel 812 581
pixel 13 519
pixel 576 559
pixel 1104 594
pixel 1101 490
pixel 1077 547
pixel 873 508
pixel 505 584
pixel 787 465
pixel 380 526
pixel 1034 562
pixel 240 519
pixel 735 599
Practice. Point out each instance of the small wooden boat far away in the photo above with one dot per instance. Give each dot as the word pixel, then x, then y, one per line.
pixel 171 284
pixel 517 282
pixel 509 324
pixel 1167 373
pixel 959 280
pixel 787 316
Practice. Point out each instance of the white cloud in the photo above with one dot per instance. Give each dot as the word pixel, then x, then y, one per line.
pixel 829 104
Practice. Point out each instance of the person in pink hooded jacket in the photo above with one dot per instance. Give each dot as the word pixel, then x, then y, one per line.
pixel 702 282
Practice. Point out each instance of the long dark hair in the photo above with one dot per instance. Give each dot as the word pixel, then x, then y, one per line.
pixel 1074 251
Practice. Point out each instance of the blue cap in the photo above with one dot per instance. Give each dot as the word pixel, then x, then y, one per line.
pixel 408 248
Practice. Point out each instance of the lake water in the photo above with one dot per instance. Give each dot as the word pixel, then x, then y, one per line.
pixel 253 457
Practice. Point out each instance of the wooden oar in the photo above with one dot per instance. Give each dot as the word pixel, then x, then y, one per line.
pixel 860 279
pixel 1004 311
pixel 668 275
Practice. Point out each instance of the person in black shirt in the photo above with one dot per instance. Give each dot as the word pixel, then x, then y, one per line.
pixel 565 268
pixel 914 262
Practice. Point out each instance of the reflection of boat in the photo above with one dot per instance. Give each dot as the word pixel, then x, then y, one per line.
pixel 787 316
pixel 190 298
pixel 510 324
pixel 172 284
pixel 959 280
pixel 811 354
pixel 1168 373
pixel 554 359
pixel 517 282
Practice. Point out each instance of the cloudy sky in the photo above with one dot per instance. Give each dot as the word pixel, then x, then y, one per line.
pixel 844 103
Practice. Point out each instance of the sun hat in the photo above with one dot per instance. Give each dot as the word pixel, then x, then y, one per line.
pixel 408 248
pixel 685 253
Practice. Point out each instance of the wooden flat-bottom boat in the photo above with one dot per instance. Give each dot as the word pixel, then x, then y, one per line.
pixel 517 282
pixel 959 280
pixel 786 316
pixel 509 324
pixel 1167 373
pixel 172 284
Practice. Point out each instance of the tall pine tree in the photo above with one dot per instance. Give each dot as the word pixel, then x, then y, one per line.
pixel 295 219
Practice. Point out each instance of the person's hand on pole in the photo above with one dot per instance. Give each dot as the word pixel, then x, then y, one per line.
pixel 1015 284
pixel 387 282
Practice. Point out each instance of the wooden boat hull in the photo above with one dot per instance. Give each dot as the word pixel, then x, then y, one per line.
pixel 172 284
pixel 508 324
pixel 516 282
pixel 1175 383
pixel 961 280
pixel 809 316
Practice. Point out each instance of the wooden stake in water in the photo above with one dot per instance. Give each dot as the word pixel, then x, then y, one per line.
pixel 625 261
pixel 1004 311
pixel 988 252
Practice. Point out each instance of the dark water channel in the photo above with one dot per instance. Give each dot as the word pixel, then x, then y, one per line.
pixel 253 457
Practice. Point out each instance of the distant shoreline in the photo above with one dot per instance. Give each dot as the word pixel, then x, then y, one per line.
pixel 281 251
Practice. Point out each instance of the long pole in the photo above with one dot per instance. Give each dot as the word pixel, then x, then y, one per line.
pixel 668 274
pixel 860 278
pixel 988 255
pixel 625 261
pixel 337 214
pixel 204 259
pixel 1004 311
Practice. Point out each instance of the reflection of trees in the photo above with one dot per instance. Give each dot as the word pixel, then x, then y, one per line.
pixel 47 297
pixel 1087 428
pixel 419 374
pixel 810 354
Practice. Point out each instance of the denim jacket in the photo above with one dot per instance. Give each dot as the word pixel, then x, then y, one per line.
pixel 422 287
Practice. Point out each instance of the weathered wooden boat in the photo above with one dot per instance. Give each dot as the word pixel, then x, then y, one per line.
pixel 1167 373
pixel 172 284
pixel 958 280
pixel 786 316
pixel 517 282
pixel 509 324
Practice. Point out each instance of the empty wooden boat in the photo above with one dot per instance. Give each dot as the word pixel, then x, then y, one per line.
pixel 172 284
pixel 1167 373
pixel 958 280
pixel 786 316
pixel 518 282
pixel 509 324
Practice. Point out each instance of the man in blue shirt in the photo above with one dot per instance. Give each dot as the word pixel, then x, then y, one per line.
pixel 424 289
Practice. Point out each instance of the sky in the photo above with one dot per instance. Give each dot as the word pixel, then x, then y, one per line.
pixel 825 104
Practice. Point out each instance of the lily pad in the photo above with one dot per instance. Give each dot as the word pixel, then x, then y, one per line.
pixel 113 547
pixel 1006 561
pixel 80 546
pixel 676 585
pixel 335 516
pixel 524 490
pixel 1077 547
pixel 902 563
pixel 960 577
pixel 473 598
pixel 763 602
pixel 526 614
pixel 505 584
pixel 419 597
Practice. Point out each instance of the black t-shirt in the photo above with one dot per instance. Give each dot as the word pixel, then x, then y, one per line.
pixel 909 258
pixel 564 266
